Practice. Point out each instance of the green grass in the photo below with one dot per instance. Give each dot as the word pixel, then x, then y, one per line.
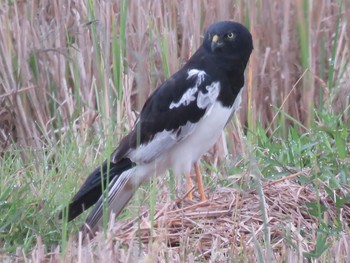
pixel 77 94
pixel 32 194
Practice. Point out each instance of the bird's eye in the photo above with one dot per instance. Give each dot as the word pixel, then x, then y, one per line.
pixel 230 35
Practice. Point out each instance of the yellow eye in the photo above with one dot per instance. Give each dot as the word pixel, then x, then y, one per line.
pixel 230 35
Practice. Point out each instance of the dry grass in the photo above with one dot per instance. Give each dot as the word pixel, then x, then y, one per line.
pixel 63 63
pixel 72 67
pixel 228 226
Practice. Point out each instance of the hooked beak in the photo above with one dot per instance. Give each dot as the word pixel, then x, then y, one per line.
pixel 215 43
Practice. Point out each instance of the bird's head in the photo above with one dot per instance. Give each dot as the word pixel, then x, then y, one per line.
pixel 229 39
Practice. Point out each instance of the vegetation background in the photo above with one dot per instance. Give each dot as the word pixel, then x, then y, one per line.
pixel 73 75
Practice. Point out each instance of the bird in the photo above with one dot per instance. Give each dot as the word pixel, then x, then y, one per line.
pixel 179 122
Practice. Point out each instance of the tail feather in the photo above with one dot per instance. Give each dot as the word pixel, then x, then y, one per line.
pixel 91 190
pixel 120 191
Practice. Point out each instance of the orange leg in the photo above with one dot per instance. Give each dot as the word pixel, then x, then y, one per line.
pixel 189 186
pixel 200 182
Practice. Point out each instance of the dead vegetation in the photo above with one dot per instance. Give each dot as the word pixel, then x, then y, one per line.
pixel 226 227
pixel 231 223
pixel 69 62
pixel 67 66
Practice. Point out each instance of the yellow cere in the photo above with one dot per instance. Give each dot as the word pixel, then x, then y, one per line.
pixel 215 38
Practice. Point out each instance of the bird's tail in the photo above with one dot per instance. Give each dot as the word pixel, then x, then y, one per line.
pixel 120 191
pixel 91 190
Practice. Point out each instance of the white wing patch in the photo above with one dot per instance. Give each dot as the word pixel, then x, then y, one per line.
pixel 189 95
pixel 199 73
pixel 161 143
pixel 186 99
pixel 209 98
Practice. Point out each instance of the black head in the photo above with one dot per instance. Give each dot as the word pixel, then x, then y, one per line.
pixel 228 39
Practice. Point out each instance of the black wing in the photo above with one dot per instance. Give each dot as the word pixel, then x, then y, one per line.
pixel 173 111
pixel 170 113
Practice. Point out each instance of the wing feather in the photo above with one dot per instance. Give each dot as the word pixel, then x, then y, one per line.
pixel 169 116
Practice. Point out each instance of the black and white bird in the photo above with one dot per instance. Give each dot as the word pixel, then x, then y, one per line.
pixel 179 122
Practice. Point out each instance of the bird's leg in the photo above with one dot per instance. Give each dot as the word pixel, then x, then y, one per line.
pixel 199 182
pixel 189 186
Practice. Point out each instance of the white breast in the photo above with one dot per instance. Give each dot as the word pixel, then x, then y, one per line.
pixel 207 131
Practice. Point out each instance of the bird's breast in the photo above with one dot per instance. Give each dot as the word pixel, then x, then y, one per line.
pixel 206 133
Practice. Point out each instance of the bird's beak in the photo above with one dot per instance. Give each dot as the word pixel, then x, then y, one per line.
pixel 215 43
